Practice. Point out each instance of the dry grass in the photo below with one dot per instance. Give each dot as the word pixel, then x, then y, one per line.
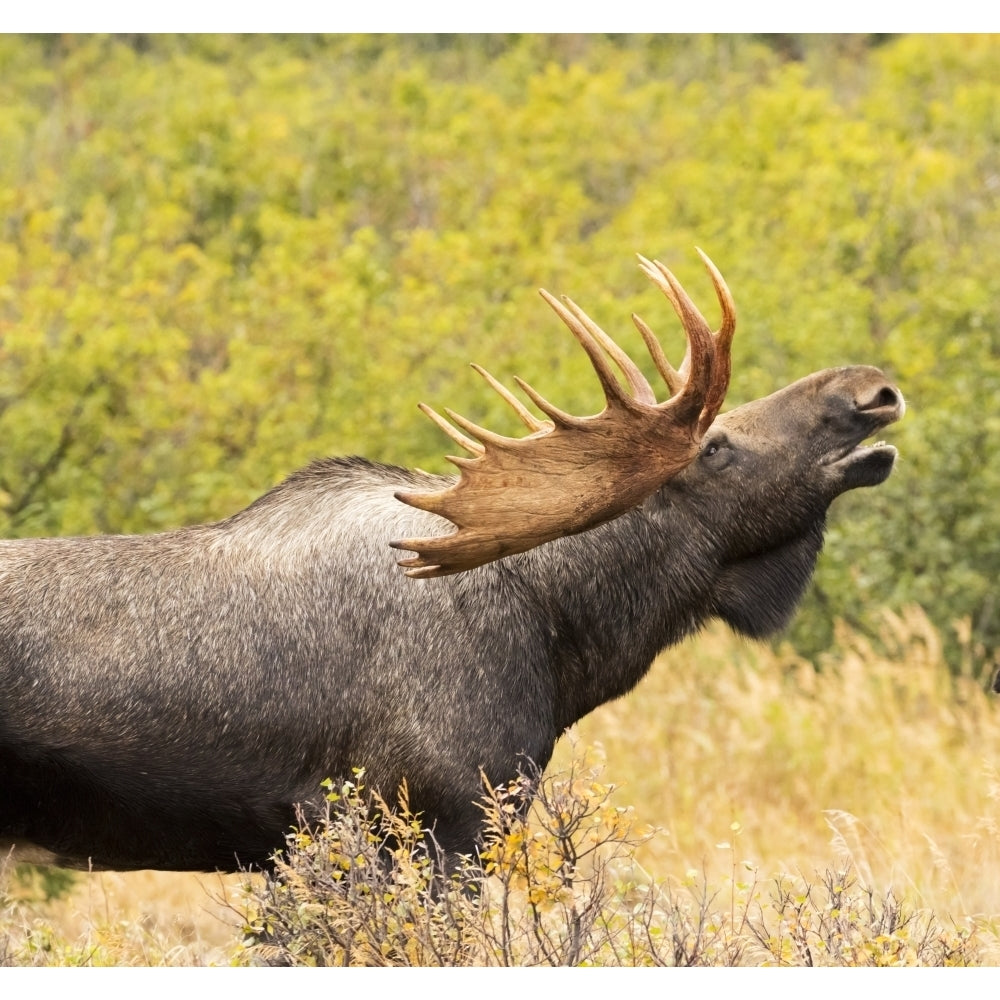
pixel 882 761
pixel 125 919
pixel 882 758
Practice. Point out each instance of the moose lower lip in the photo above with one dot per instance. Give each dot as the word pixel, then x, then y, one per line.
pixel 864 450
pixel 866 465
pixel 860 451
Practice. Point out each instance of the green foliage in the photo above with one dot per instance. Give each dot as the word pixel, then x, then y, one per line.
pixel 221 256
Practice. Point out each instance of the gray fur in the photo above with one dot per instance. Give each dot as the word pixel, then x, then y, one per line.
pixel 168 699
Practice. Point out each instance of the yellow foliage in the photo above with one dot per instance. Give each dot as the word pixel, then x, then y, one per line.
pixel 222 256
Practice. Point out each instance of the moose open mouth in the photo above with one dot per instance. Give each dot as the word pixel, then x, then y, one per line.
pixel 865 465
pixel 861 464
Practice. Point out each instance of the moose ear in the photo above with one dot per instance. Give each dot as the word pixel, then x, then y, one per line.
pixel 757 596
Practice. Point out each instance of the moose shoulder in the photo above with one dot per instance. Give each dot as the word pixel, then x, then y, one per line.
pixel 168 699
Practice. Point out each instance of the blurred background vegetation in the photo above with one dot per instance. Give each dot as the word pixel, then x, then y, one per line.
pixel 223 256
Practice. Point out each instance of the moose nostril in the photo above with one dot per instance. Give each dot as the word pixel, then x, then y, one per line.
pixel 885 396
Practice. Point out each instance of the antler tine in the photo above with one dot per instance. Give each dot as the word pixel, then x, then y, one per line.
pixel 527 417
pixel 668 373
pixel 487 437
pixel 569 313
pixel 641 389
pixel 662 276
pixel 714 390
pixel 652 272
pixel 473 447
pixel 698 363
pixel 725 297
pixel 723 343
pixel 558 417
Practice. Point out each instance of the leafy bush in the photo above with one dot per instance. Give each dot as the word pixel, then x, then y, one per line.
pixel 368 887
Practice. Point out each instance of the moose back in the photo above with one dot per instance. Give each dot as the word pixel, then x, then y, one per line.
pixel 168 700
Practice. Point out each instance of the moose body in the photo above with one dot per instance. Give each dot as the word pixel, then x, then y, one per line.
pixel 168 700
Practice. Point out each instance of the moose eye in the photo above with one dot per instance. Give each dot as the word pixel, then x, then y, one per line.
pixel 717 453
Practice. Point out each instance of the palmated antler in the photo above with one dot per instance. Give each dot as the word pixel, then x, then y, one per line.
pixel 572 473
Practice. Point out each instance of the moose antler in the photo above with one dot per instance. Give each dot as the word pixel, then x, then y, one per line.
pixel 572 473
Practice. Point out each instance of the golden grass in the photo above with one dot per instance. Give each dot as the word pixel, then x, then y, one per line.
pixel 126 919
pixel 882 758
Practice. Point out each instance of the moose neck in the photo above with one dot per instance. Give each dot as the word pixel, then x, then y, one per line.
pixel 626 590
pixel 618 594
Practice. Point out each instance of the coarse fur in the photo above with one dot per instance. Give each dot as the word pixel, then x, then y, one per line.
pixel 168 699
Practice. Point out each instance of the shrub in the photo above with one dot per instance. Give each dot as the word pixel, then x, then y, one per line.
pixel 556 884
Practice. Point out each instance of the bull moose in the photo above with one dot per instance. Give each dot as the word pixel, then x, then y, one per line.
pixel 169 699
